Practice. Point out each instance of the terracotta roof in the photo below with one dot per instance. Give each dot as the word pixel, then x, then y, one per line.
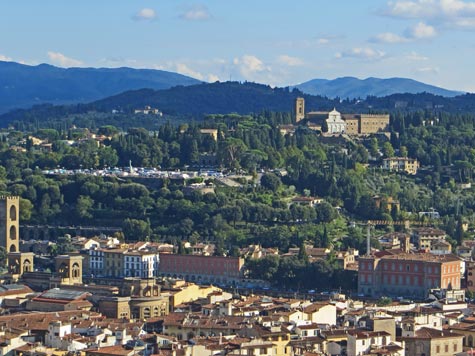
pixel 363 334
pixel 314 307
pixel 14 289
pixel 112 350
pixel 428 333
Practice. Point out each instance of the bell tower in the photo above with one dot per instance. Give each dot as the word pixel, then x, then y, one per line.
pixel 69 269
pixel 17 262
pixel 299 109
pixel 10 223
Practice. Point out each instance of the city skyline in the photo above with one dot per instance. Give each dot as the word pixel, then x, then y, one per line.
pixel 272 42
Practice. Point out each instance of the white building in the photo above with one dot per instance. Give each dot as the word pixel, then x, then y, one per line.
pixel 59 336
pixel 360 342
pixel 335 124
pixel 96 261
pixel 123 262
pixel 142 264
pixel 321 313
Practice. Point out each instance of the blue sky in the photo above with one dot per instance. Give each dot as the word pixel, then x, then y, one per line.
pixel 275 42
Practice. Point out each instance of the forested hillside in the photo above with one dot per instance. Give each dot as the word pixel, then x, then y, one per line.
pixel 185 104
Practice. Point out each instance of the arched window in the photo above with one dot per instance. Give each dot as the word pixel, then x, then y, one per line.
pixel 76 271
pixel 26 266
pixel 13 214
pixel 13 232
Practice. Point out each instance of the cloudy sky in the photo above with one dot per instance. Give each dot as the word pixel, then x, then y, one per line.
pixel 277 42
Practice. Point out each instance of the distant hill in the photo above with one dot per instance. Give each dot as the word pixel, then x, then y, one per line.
pixel 211 98
pixel 194 101
pixel 22 86
pixel 350 87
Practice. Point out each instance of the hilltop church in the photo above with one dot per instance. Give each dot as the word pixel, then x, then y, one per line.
pixel 335 123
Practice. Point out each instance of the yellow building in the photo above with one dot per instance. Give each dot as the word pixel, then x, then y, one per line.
pixel 183 292
pixel 114 262
pixel 370 123
pixel 212 132
pixel 401 164
pixel 352 124
pixel 365 124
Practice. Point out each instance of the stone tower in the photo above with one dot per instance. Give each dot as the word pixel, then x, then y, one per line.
pixel 299 109
pixel 9 223
pixel 19 263
pixel 69 269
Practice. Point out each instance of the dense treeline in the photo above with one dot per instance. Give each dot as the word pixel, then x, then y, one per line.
pixel 345 174
pixel 335 172
pixel 193 102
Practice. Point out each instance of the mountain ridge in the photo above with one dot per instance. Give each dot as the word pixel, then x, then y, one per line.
pixel 354 88
pixel 22 86
pixel 194 102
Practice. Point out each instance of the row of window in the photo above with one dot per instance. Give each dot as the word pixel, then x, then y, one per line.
pixel 415 267
pixel 446 348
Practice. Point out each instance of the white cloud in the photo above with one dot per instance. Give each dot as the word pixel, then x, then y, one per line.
pixel 361 53
pixel 5 58
pixel 430 70
pixel 249 65
pixel 188 67
pixel 412 9
pixel 325 39
pixel 196 13
pixel 421 31
pixel 63 61
pixel 389 37
pixel 213 78
pixel 251 68
pixel 290 61
pixel 414 56
pixel 145 14
pixel 450 13
pixel 182 68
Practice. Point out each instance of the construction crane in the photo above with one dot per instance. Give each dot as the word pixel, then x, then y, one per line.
pixel 370 223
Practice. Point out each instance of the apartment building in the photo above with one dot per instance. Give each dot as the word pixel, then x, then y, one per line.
pixel 407 274
pixel 426 237
pixel 122 262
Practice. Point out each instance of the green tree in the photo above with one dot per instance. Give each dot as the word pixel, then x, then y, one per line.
pixel 271 182
pixel 388 150
pixel 136 230
pixel 84 206
pixel 3 256
pixel 374 147
pixel 325 212
pixel 26 208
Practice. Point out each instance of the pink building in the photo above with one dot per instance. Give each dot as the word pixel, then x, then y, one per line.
pixel 407 274
pixel 206 269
